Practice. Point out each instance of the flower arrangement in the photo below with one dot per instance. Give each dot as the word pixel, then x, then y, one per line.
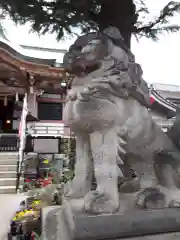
pixel 25 214
pixel 40 181
pixel 24 223
pixel 37 183
pixel 46 189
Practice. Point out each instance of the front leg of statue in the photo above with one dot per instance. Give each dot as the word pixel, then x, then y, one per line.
pixel 81 184
pixel 105 198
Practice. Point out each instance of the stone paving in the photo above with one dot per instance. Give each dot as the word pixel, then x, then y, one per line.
pixel 9 203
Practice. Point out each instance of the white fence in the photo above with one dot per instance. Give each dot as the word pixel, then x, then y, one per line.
pixel 42 129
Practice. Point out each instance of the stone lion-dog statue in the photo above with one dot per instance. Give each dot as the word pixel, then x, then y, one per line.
pixel 108 110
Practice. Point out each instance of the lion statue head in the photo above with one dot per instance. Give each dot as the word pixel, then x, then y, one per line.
pixel 104 54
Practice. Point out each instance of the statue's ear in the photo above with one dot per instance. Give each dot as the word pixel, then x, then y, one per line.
pixel 113 33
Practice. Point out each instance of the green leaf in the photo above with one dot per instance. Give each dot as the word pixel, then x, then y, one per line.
pixel 61 16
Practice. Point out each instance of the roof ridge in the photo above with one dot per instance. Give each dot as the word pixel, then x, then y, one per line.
pixel 163 101
pixel 165 87
pixel 165 84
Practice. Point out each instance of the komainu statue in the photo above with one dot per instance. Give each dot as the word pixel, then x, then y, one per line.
pixel 117 142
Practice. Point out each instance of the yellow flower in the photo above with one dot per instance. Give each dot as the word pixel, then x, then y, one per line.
pixel 36 202
pixel 29 212
pixel 14 219
pixel 20 215
pixel 45 161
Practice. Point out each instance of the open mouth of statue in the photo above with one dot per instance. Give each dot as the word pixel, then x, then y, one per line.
pixel 83 69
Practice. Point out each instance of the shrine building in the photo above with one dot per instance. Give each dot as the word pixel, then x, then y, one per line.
pixel 45 81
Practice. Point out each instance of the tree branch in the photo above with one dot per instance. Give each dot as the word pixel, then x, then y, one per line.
pixel 168 11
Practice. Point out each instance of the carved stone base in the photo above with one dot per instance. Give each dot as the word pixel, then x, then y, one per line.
pixel 69 222
pixel 170 236
pixel 109 226
pixel 73 224
pixel 51 223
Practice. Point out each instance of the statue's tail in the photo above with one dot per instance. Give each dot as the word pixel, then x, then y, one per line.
pixel 128 181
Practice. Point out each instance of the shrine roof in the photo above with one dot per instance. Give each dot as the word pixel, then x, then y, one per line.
pixel 165 87
pixel 10 49
pixel 18 51
pixel 163 101
pixel 19 71
pixel 158 92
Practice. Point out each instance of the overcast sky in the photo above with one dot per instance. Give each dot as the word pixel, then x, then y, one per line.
pixel 160 60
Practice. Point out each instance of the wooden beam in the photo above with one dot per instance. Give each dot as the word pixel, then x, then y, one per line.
pixel 31 67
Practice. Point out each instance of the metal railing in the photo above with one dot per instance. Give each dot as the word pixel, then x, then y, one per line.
pixel 9 142
pixel 18 173
pixel 45 129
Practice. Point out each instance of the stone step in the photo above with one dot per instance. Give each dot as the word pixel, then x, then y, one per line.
pixel 3 159
pixel 8 167
pixel 9 181
pixel 7 174
pixel 7 189
pixel 8 156
pixel 8 161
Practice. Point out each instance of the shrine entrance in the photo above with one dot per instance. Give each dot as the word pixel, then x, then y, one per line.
pixel 6 116
pixel 8 136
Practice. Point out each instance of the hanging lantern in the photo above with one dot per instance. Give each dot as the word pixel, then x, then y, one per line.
pixel 63 84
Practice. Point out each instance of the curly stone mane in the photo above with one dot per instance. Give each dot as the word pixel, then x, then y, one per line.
pixel 106 53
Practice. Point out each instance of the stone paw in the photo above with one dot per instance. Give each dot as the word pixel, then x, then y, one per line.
pixel 130 186
pixel 74 190
pixel 150 198
pixel 97 202
pixel 174 204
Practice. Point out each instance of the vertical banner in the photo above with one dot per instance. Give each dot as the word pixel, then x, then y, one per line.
pixel 22 130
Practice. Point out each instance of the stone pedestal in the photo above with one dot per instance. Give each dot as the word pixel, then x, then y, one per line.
pixel 68 223
pixel 168 236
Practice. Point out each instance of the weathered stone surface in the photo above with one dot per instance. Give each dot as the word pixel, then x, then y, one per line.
pixel 114 226
pixel 107 109
pixel 51 223
pixel 142 225
pixel 170 236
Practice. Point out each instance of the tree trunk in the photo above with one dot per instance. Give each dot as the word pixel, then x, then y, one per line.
pixel 120 14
